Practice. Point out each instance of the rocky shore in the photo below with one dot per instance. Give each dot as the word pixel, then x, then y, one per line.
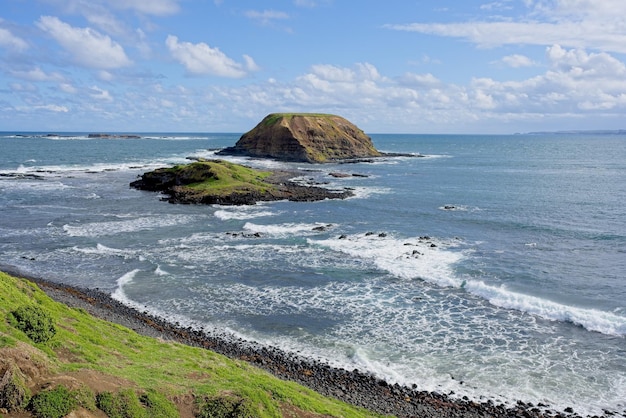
pixel 351 386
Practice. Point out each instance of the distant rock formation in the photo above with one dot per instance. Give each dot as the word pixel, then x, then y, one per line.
pixel 305 137
pixel 113 136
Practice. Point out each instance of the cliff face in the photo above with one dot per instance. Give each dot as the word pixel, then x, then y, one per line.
pixel 308 137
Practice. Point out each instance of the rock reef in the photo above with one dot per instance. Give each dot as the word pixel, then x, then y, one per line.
pixel 305 137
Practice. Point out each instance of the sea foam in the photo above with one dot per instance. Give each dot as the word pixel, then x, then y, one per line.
pixel 591 319
pixel 433 261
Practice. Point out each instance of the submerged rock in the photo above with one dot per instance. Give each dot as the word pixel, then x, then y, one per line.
pixel 304 137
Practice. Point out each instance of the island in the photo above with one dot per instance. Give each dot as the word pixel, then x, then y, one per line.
pixel 305 137
pixel 225 183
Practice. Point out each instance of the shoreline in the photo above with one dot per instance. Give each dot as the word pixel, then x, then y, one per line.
pixel 354 387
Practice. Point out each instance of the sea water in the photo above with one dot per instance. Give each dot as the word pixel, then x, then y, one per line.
pixel 491 267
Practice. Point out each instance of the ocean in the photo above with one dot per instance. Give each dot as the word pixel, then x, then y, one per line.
pixel 492 267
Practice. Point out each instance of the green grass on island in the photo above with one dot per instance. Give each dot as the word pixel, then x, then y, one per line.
pixel 221 177
pixel 272 118
pixel 84 363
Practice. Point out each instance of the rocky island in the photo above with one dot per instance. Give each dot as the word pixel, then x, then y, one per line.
pixel 305 137
pixel 226 183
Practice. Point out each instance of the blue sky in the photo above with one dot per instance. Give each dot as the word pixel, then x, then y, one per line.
pixel 399 66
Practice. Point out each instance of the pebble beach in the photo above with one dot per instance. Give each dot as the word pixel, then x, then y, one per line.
pixel 351 386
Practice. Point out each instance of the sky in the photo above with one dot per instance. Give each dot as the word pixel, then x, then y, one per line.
pixel 395 66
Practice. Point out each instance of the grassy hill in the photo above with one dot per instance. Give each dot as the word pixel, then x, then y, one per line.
pixel 89 366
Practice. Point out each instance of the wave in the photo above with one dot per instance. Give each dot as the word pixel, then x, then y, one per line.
pixel 103 250
pixel 433 261
pixel 45 171
pixel 160 272
pixel 243 212
pixel 424 258
pixel 97 229
pixel 119 293
pixel 287 229
pixel 459 208
pixel 590 319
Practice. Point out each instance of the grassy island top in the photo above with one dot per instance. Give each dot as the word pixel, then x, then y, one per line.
pixel 272 118
pixel 221 176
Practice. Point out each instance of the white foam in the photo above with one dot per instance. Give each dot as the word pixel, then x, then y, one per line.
pixel 243 212
pixel 286 229
pixel 46 171
pixel 418 260
pixel 412 258
pixel 458 208
pixel 103 250
pixel 591 319
pixel 119 293
pixel 366 192
pixel 97 229
pixel 160 272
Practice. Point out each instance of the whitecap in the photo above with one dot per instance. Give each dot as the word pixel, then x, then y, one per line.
pixel 96 229
pixel 160 272
pixel 119 294
pixel 591 319
pixel 422 258
pixel 287 229
pixel 243 212
pixel 103 250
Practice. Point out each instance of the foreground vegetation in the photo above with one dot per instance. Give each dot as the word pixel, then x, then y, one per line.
pixel 55 359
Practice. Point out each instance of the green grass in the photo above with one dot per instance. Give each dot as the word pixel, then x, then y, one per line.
pixel 272 118
pixel 152 365
pixel 223 177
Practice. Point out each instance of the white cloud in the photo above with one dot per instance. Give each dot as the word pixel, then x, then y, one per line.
pixel 610 10
pixel 201 59
pixel 105 75
pixel 88 47
pixel 10 41
pixel 583 63
pixel 419 80
pixel 332 73
pixel 266 16
pixel 100 94
pixel 496 5
pixel 250 64
pixel 53 108
pixel 517 61
pixel 152 7
pixel 37 74
pixel 68 88
pixel 572 23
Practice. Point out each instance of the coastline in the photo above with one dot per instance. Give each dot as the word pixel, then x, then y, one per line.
pixel 353 387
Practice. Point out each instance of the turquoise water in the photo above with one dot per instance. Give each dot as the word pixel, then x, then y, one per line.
pixel 493 267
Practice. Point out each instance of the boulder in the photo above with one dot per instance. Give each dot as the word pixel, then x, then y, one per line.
pixel 304 137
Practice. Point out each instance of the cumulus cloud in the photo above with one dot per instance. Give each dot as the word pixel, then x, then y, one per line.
pixel 88 48
pixel 10 41
pixel 201 59
pixel 517 61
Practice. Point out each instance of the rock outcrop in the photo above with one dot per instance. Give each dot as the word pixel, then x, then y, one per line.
pixel 305 137
pixel 223 183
